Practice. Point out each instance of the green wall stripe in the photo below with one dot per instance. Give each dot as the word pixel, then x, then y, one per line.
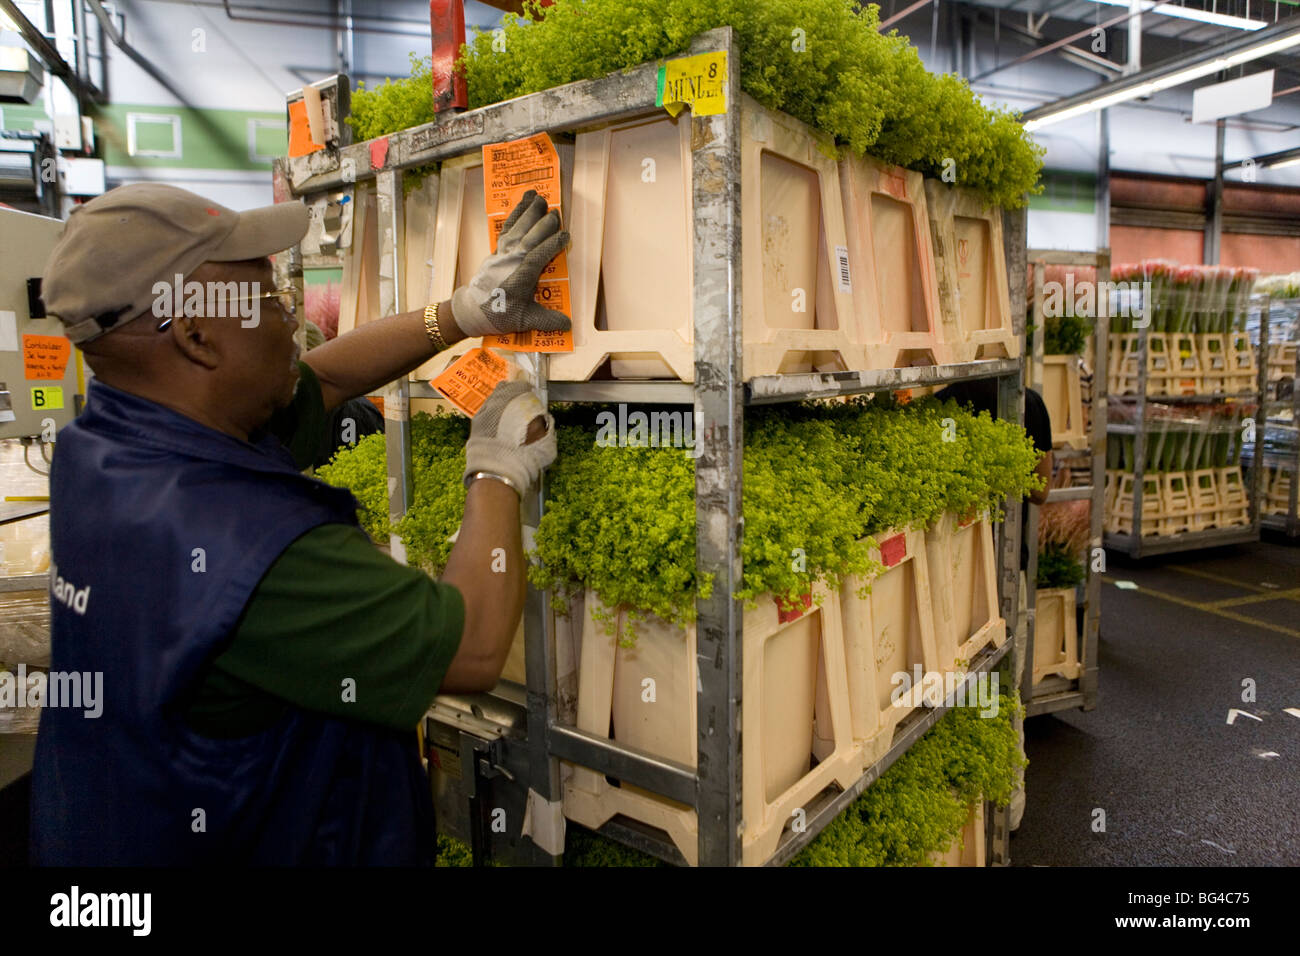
pixel 1066 192
pixel 209 138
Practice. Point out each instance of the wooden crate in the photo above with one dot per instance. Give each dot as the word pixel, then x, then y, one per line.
pixel 891 259
pixel 1063 396
pixel 974 296
pixel 632 239
pixel 1056 634
pixel 888 631
pixel 1119 519
pixel 1213 356
pixel 1281 360
pixel 359 292
pixel 419 217
pixel 1243 369
pixel 630 264
pixel 797 739
pixel 1203 488
pixel 1175 502
pixel 567 628
pixel 1161 372
pixel 460 240
pixel 963 589
pixel 1234 509
pixel 1185 362
pixel 968 847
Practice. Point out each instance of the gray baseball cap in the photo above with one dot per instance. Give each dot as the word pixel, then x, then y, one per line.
pixel 115 248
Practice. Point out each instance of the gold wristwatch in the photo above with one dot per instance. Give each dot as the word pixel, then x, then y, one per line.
pixel 431 328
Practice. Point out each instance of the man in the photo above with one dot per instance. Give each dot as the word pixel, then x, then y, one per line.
pixel 264 665
pixel 982 395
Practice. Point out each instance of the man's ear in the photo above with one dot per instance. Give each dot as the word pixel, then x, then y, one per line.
pixel 193 337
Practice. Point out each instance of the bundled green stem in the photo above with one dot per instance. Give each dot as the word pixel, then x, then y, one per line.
pixel 825 62
pixel 819 480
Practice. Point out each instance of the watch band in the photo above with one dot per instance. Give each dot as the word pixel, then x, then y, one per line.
pixel 476 475
pixel 431 328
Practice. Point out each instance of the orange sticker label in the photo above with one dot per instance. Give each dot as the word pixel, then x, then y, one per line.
pixel 469 380
pixel 46 356
pixel 300 141
pixel 510 170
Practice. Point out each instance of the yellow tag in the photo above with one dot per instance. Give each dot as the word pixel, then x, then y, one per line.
pixel 699 82
pixel 47 397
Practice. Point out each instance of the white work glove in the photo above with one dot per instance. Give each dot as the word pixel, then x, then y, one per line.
pixel 498 437
pixel 499 299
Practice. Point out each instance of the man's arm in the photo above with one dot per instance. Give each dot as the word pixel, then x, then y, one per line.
pixel 497 300
pixel 494 599
pixel 1044 471
pixel 1038 423
pixel 369 357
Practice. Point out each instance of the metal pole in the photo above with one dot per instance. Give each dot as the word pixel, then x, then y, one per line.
pixel 397 394
pixel 719 393
pixel 1140 436
pixel 1100 363
pixel 1134 62
pixel 1035 368
pixel 1261 379
pixel 1103 181
pixel 1292 524
pixel 1214 223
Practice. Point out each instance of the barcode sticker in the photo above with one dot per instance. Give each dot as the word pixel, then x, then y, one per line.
pixel 842 257
pixel 469 380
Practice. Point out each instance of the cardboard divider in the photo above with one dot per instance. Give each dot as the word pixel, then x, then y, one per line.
pixel 974 295
pixel 796 726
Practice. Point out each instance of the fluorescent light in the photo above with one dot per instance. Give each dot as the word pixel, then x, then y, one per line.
pixel 1284 163
pixel 1193 13
pixel 1127 91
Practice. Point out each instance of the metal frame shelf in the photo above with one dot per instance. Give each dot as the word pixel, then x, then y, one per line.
pixel 515 734
pixel 1142 546
pixel 1056 693
pixel 1289 523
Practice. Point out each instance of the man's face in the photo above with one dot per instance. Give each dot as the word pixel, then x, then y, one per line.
pixel 259 358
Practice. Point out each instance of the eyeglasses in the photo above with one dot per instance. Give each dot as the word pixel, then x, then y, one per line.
pixel 286 298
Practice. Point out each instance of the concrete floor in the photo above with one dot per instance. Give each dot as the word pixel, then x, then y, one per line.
pixel 1178 784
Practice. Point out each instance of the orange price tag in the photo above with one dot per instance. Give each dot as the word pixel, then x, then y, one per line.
pixel 470 379
pixel 45 356
pixel 510 170
pixel 300 141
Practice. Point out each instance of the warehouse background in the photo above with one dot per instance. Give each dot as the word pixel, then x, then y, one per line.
pixel 202 105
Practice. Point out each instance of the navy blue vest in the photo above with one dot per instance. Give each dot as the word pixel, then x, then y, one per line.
pixel 135 490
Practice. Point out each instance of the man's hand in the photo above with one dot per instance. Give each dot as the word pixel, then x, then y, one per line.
pixel 499 299
pixel 504 436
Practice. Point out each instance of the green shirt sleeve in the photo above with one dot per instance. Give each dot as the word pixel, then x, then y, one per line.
pixel 301 425
pixel 337 627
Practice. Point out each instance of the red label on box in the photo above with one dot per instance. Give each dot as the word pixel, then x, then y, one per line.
pixel 895 185
pixel 893 550
pixel 785 613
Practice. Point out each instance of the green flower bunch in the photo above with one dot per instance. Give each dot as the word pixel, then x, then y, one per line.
pixel 438 499
pixel 393 104
pixel 819 480
pixel 917 807
pixel 920 804
pixel 824 62
pixel 1059 567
